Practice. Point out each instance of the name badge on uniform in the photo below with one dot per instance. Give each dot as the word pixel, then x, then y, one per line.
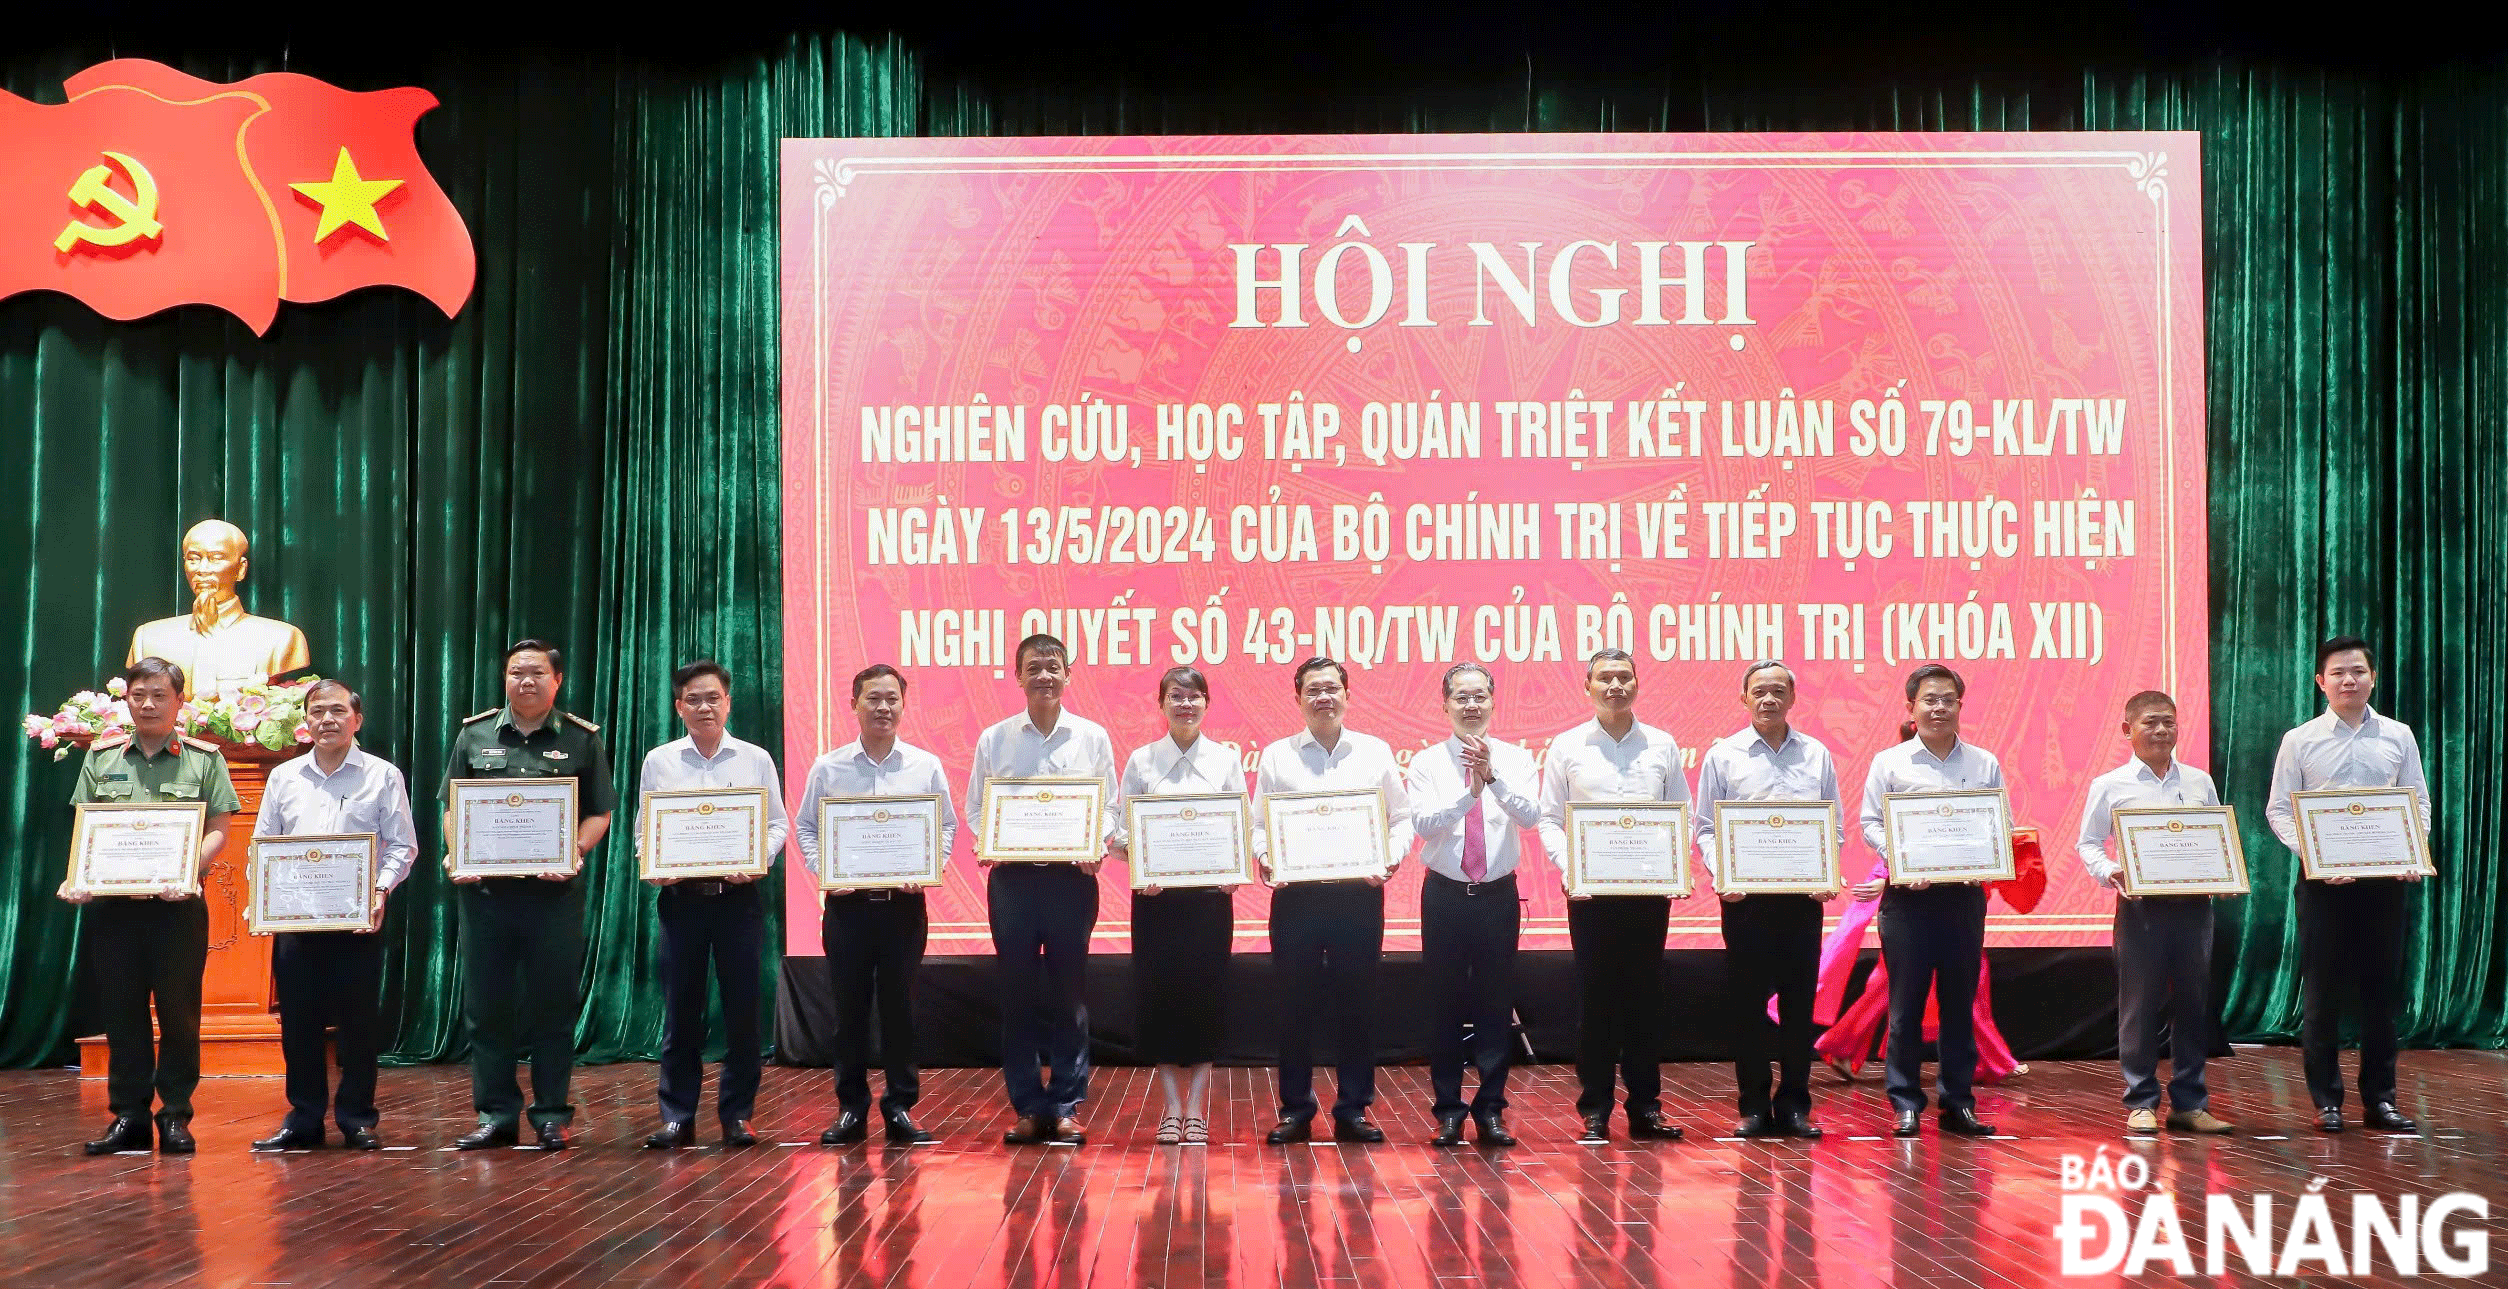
pixel 488 758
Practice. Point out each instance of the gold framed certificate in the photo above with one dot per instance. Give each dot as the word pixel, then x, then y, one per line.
pixel 137 848
pixel 1188 839
pixel 2180 850
pixel 514 828
pixel 1628 848
pixel 2361 832
pixel 1959 836
pixel 1043 821
pixel 1776 847
pixel 1334 836
pixel 704 832
pixel 320 883
pixel 879 843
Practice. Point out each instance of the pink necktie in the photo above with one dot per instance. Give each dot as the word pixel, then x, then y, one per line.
pixel 1475 844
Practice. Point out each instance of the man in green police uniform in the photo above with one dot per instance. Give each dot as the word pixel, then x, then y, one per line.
pixel 142 947
pixel 522 937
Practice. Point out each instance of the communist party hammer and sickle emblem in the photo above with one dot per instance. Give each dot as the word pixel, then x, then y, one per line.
pixel 135 216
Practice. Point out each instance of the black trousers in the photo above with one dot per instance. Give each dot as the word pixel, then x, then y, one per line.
pixel 711 932
pixel 2164 973
pixel 1934 941
pixel 1326 941
pixel 1467 936
pixel 2350 936
pixel 144 949
pixel 522 969
pixel 1618 940
pixel 1772 946
pixel 335 979
pixel 1042 916
pixel 875 945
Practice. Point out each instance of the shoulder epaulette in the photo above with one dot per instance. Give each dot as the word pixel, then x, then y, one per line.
pixel 476 717
pixel 109 743
pixel 203 744
pixel 581 721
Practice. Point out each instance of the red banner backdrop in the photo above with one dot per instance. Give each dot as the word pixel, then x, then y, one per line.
pixel 1858 402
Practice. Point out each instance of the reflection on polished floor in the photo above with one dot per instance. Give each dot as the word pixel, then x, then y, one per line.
pixel 1858 1208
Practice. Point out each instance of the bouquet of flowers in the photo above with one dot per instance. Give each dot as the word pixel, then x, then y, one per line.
pixel 258 715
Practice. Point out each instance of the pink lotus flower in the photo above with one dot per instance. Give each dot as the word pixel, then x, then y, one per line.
pixel 247 723
pixel 35 725
pixel 252 705
pixel 48 739
pixel 117 687
pixel 304 733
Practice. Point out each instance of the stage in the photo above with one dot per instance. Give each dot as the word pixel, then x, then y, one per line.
pixel 1858 1208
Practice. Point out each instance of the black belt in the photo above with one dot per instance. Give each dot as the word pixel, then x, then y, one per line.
pixel 1502 884
pixel 876 895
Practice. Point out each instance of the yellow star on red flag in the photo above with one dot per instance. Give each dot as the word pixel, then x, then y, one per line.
pixel 348 198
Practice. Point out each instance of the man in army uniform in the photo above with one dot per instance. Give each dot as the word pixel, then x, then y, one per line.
pixel 522 937
pixel 142 948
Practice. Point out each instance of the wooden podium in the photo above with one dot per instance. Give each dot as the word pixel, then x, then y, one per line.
pixel 239 1023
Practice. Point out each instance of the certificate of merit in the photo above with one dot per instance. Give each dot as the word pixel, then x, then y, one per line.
pixel 312 884
pixel 514 827
pixel 1188 839
pixel 1628 848
pixel 705 832
pixel 1948 836
pixel 137 849
pixel 2361 832
pixel 1042 821
pixel 868 843
pixel 2180 850
pixel 1776 847
pixel 1335 836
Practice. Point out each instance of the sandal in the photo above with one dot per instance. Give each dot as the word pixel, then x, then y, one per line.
pixel 1171 1131
pixel 1196 1132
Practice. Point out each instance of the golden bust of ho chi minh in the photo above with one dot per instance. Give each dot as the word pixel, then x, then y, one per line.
pixel 219 646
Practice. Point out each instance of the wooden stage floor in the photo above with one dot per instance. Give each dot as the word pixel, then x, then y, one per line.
pixel 1856 1209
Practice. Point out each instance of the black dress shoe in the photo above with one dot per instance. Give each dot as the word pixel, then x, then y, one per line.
pixel 673 1135
pixel 902 1131
pixel 1964 1123
pixel 1029 1130
pixel 1449 1131
pixel 1063 1130
pixel 1492 1126
pixel 2329 1119
pixel 126 1133
pixel 291 1139
pixel 850 1128
pixel 2385 1118
pixel 488 1136
pixel 1356 1130
pixel 1597 1126
pixel 174 1138
pixel 552 1135
pixel 361 1139
pixel 736 1135
pixel 1907 1124
pixel 1798 1125
pixel 1290 1131
pixel 1755 1125
pixel 1650 1125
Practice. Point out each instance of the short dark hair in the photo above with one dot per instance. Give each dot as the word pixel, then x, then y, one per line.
pixel 1602 656
pixel 1043 643
pixel 874 672
pixel 688 673
pixel 154 668
pixel 1445 683
pixel 1764 664
pixel 2146 700
pixel 1297 682
pixel 2344 644
pixel 1934 671
pixel 534 644
pixel 1185 676
pixel 321 687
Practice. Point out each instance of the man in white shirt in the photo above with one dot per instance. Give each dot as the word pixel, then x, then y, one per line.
pixel 1327 937
pixel 1771 940
pixel 1932 934
pixel 874 938
pixel 1617 939
pixel 334 977
pixel 1043 914
pixel 717 920
pixel 1469 795
pixel 2163 942
pixel 2350 929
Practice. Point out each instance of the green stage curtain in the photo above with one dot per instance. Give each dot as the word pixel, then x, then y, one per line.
pixel 589 451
